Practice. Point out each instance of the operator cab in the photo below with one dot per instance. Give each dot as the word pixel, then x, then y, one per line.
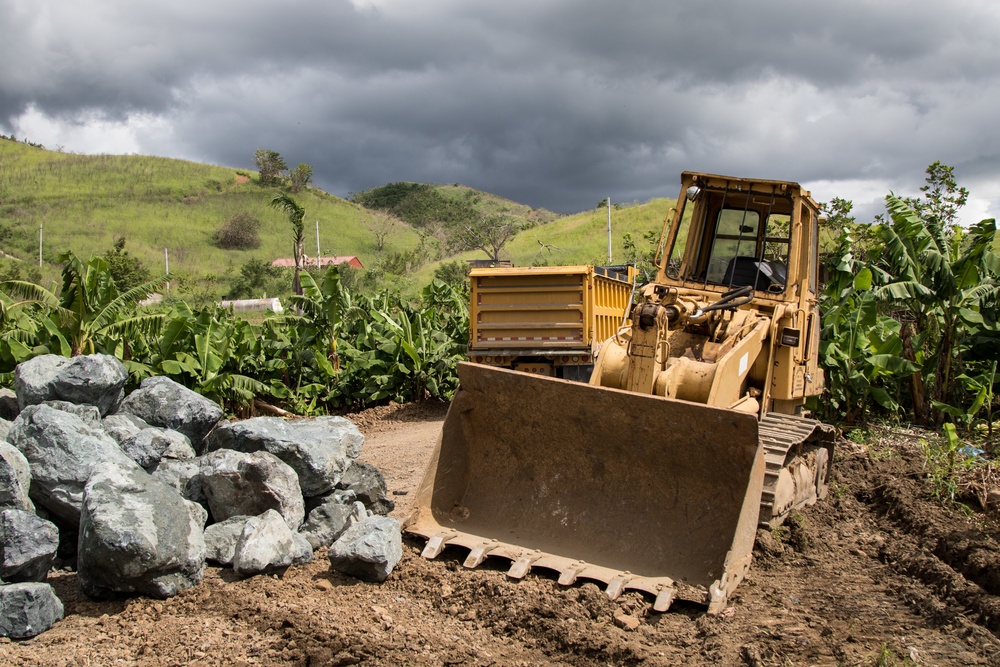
pixel 733 236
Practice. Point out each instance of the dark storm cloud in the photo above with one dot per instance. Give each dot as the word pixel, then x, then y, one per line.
pixel 556 104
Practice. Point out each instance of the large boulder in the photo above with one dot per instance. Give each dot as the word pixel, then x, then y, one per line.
pixel 329 521
pixel 221 539
pixel 137 535
pixel 159 401
pixel 184 475
pixel 121 426
pixel 368 485
pixel 240 483
pixel 265 545
pixel 94 379
pixel 90 414
pixel 15 479
pixel 369 549
pixel 153 444
pixel 27 546
pixel 319 450
pixel 28 609
pixel 8 404
pixel 63 451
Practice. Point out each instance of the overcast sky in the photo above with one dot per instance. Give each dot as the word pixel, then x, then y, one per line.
pixel 553 103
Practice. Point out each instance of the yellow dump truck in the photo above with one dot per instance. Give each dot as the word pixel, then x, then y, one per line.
pixel 547 320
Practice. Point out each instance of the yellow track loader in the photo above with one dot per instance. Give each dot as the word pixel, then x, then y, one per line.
pixel 656 474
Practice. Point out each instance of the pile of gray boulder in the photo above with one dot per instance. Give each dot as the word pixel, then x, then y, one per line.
pixel 137 492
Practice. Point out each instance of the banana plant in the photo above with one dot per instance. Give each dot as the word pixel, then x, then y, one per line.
pixel 89 314
pixel 943 278
pixel 208 352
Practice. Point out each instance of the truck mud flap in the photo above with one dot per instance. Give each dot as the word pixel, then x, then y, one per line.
pixel 638 492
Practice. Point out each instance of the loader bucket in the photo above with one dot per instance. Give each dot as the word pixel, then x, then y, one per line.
pixel 638 492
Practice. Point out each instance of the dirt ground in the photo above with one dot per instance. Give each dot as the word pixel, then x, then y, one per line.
pixel 878 574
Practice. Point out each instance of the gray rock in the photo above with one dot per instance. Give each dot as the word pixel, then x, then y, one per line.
pixel 15 479
pixel 319 450
pixel 182 475
pixel 94 379
pixel 8 404
pixel 159 401
pixel 121 426
pixel 90 414
pixel 63 451
pixel 240 483
pixel 369 549
pixel 302 551
pixel 27 546
pixel 150 445
pixel 4 429
pixel 28 609
pixel 266 545
pixel 137 535
pixel 328 522
pixel 221 539
pixel 367 483
pixel 33 379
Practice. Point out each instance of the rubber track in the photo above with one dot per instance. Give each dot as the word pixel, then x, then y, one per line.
pixel 780 434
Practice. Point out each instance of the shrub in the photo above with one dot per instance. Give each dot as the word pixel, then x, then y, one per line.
pixel 241 232
pixel 257 279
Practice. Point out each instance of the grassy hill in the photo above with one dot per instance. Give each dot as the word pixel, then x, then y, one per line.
pixel 581 238
pixel 83 202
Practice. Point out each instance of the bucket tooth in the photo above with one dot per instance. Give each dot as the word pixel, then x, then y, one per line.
pixel 436 544
pixel 617 585
pixel 569 574
pixel 664 598
pixel 522 564
pixel 479 553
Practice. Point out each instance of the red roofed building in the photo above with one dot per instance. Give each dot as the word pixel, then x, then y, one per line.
pixel 307 261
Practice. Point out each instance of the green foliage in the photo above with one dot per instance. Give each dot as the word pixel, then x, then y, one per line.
pixel 270 165
pixel 257 279
pixel 454 273
pixel 342 350
pixel 909 312
pixel 89 314
pixel 300 177
pixel 419 204
pixel 642 255
pixel 126 270
pixel 490 233
pixel 240 232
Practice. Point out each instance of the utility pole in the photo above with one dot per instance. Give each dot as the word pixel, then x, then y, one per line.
pixel 317 245
pixel 39 245
pixel 609 229
pixel 166 269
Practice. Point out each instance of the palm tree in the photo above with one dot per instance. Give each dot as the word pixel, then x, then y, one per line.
pixel 296 214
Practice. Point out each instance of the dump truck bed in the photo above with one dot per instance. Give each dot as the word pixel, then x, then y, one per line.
pixel 544 318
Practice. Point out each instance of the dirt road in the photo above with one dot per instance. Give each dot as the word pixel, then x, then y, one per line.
pixel 876 575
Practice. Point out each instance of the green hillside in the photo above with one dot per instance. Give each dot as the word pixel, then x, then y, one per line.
pixel 581 238
pixel 83 202
pixel 163 206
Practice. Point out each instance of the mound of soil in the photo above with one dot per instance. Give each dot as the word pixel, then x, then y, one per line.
pixel 879 573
